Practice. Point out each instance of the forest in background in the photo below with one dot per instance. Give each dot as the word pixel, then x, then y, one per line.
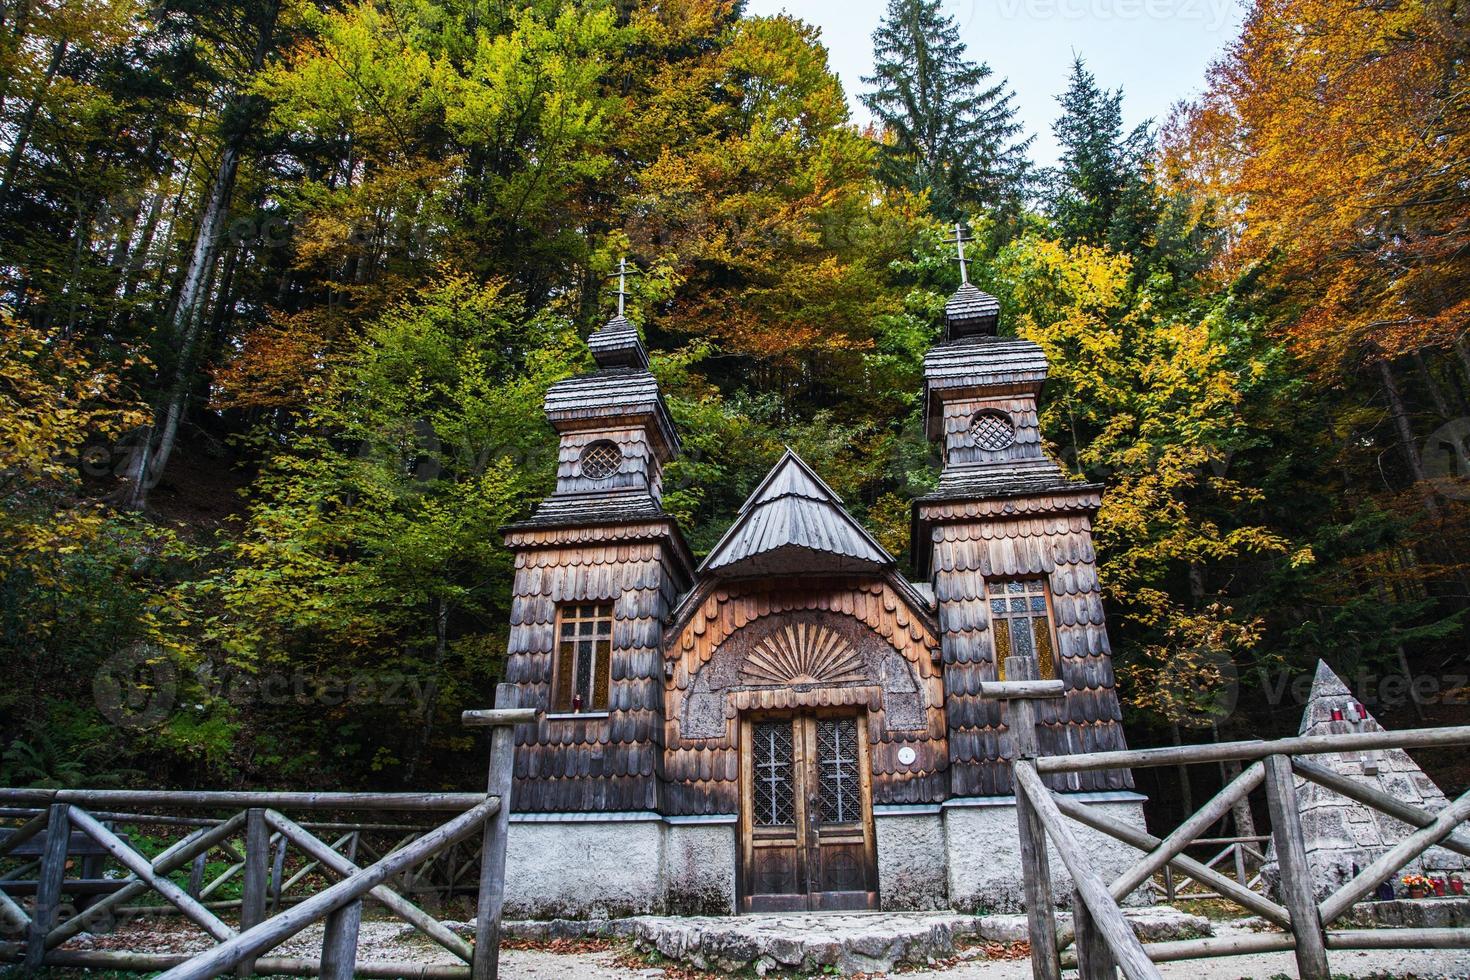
pixel 283 283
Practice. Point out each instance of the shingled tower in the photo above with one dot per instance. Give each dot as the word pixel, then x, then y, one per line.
pixel 598 567
pixel 1006 540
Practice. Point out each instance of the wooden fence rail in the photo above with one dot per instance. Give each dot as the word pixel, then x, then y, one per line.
pixel 1245 854
pixel 267 917
pixel 1104 943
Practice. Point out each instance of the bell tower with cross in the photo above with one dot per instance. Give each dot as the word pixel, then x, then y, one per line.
pixel 1006 541
pixel 598 566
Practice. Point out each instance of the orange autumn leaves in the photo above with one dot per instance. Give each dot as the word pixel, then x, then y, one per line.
pixel 1335 142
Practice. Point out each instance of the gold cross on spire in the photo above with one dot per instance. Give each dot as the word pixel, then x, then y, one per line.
pixel 958 241
pixel 624 271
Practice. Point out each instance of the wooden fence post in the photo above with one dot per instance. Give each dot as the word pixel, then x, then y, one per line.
pixel 196 873
pixel 92 865
pixel 252 893
pixel 1041 912
pixel 339 942
pixel 1094 960
pixel 1297 892
pixel 48 888
pixel 278 873
pixel 486 963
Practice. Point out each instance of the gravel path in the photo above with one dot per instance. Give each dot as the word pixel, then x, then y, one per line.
pixel 519 964
pixel 385 941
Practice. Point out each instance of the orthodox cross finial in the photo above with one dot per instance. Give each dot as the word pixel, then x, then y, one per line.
pixel 624 271
pixel 958 241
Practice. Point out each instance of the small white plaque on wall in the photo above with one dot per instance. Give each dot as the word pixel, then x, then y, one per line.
pixel 906 756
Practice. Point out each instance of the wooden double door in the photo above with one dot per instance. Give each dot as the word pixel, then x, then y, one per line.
pixel 806 817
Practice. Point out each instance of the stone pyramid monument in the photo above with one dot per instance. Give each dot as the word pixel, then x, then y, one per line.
pixel 1341 833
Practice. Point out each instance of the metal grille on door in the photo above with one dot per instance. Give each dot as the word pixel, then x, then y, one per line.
pixel 772 792
pixel 839 779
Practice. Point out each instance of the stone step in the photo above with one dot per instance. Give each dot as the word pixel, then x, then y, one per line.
pixel 848 942
pixel 1151 923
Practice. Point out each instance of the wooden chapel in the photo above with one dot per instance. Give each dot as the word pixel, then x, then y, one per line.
pixel 791 722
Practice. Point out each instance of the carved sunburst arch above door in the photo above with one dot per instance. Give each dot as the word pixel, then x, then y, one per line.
pixel 810 657
pixel 802 655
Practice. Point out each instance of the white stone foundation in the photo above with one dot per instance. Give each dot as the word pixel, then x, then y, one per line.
pixel 699 868
pixel 606 866
pixel 963 855
pixel 911 854
pixel 984 852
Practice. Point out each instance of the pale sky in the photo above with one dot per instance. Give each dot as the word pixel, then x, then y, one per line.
pixel 1157 50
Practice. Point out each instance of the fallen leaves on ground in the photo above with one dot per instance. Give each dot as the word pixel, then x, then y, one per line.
pixel 569 947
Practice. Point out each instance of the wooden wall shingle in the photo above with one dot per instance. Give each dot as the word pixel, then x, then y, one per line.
pixel 590 764
pixel 1048 537
pixel 959 446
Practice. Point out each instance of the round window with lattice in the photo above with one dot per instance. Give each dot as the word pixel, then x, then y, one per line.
pixel 992 431
pixel 601 460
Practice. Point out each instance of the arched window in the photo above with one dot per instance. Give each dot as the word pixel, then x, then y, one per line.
pixel 992 431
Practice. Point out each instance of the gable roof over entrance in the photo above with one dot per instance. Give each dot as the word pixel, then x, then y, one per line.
pixel 794 523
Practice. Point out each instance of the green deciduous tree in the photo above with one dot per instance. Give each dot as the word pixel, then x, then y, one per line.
pixel 1152 406
pixel 370 546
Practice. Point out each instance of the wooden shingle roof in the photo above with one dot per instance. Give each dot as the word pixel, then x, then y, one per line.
pixel 979 365
pixel 984 362
pixel 610 395
pixel 969 312
pixel 793 522
pixel 616 344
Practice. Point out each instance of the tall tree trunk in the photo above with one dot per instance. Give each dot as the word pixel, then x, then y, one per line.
pixel 431 704
pixel 1436 392
pixel 129 224
pixel 157 444
pixel 1462 349
pixel 1439 548
pixel 224 297
pixel 86 219
pixel 28 121
pixel 148 463
pixel 132 272
pixel 17 28
pixel 1240 810
pixel 1410 448
pixel 1403 658
pixel 138 255
pixel 1186 794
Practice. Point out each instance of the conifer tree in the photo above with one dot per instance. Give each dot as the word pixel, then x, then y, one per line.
pixel 948 128
pixel 1099 194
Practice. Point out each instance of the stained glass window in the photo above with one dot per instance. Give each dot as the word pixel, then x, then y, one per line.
pixel 1021 623
pixel 583 657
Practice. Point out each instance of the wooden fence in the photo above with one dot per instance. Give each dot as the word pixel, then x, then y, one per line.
pixel 78 822
pixel 1245 855
pixel 1104 942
